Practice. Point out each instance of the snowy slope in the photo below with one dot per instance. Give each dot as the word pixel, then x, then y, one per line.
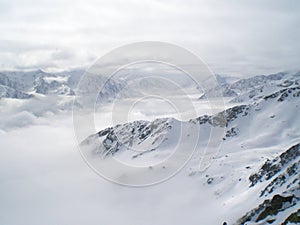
pixel 256 134
pixel 36 82
pixel 281 190
pixel 251 89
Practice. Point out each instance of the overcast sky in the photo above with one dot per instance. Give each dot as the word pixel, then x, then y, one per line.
pixel 232 37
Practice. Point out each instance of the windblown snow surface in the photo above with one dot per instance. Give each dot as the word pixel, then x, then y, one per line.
pixel 254 178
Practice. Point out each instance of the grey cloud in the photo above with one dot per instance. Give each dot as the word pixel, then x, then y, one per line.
pixel 226 34
pixel 62 55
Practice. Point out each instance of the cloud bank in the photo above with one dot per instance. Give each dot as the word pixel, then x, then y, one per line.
pixel 232 37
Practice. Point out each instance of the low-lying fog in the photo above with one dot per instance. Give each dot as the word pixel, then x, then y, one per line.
pixel 45 181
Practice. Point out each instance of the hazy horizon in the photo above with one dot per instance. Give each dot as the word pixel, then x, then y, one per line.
pixel 232 37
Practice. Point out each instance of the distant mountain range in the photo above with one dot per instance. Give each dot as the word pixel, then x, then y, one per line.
pixel 22 85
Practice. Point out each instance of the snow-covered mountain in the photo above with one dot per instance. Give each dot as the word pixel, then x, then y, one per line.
pixel 126 84
pixel 253 88
pixel 8 92
pixel 256 172
pixel 37 82
pixel 281 190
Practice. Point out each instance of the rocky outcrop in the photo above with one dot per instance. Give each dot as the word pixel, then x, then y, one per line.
pixel 282 189
pixel 266 212
pixel 284 93
pixel 129 135
pixel 223 118
pixel 294 218
pixel 271 168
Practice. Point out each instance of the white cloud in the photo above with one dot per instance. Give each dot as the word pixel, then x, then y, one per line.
pixel 232 36
pixel 45 181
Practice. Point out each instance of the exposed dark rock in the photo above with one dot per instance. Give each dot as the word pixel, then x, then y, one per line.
pixel 113 138
pixel 274 206
pixel 270 168
pixel 269 207
pixel 284 93
pixel 284 173
pixel 105 131
pixel 294 218
pixel 210 180
pixel 233 131
pixel 223 118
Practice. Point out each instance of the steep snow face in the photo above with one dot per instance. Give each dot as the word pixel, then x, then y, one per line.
pixel 252 171
pixel 280 184
pixel 256 172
